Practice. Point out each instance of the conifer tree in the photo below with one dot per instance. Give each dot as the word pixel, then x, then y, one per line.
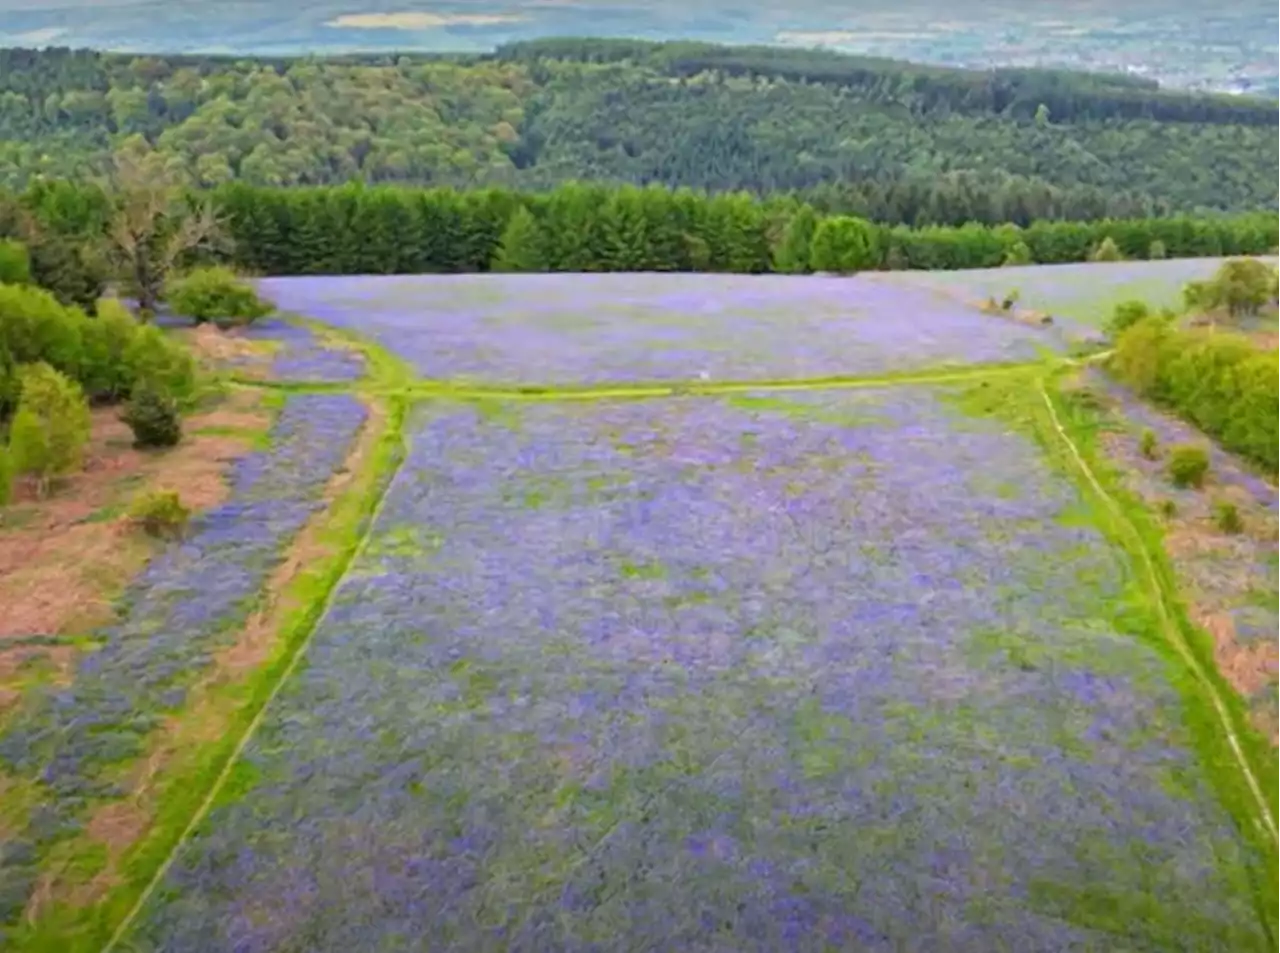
pixel 792 254
pixel 521 247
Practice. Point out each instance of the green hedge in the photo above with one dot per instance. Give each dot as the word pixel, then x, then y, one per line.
pixel 1221 382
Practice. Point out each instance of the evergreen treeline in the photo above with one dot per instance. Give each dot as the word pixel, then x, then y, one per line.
pixel 582 227
pixel 896 142
pixel 1069 96
pixel 358 229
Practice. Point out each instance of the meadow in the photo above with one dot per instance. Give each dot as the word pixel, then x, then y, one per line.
pixel 1080 294
pixel 670 612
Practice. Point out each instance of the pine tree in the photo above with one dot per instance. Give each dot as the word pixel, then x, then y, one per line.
pixel 626 233
pixel 521 246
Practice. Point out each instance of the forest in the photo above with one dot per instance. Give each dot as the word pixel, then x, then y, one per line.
pixel 894 142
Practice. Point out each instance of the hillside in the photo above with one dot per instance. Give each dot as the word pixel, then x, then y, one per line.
pixel 891 140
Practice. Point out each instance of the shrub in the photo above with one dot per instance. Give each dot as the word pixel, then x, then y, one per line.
pixel 15 263
pixel 1168 509
pixel 8 383
pixel 152 358
pixel 153 417
pixel 6 477
pixel 34 326
pixel 1018 254
pixel 1188 465
pixel 1157 251
pixel 1226 516
pixel 1125 315
pixel 1148 444
pixel 105 371
pixel 74 272
pixel 51 426
pixel 216 294
pixel 160 513
pixel 1106 250
pixel 844 245
pixel 1242 286
pixel 1219 381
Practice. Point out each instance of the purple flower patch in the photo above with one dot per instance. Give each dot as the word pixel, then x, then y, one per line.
pixel 753 673
pixel 580 329
pixel 303 356
pixel 185 605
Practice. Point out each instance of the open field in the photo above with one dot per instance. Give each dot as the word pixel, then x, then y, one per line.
pixel 643 658
pixel 1083 294
pixel 590 329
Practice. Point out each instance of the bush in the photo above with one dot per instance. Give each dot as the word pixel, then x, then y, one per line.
pixel 1219 381
pixel 1107 250
pixel 154 359
pixel 843 244
pixel 35 326
pixel 153 417
pixel 74 272
pixel 15 263
pixel 1226 516
pixel 51 426
pixel 1188 465
pixel 105 371
pixel 160 513
pixel 1018 254
pixel 108 354
pixel 1148 444
pixel 8 384
pixel 216 294
pixel 6 477
pixel 1157 251
pixel 1125 315
pixel 1168 509
pixel 1242 285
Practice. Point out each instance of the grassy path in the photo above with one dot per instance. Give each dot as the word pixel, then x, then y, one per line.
pixel 351 519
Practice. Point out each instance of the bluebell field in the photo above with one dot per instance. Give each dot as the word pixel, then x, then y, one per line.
pixel 188 603
pixel 832 670
pixel 302 356
pixel 603 328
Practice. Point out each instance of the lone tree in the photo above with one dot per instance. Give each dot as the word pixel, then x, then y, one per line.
pixel 1241 287
pixel 154 221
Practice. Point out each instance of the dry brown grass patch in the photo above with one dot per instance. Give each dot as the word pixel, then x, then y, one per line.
pixel 63 559
pixel 1247 667
pixel 212 345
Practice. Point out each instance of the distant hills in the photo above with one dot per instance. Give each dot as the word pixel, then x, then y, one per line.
pixel 1229 47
